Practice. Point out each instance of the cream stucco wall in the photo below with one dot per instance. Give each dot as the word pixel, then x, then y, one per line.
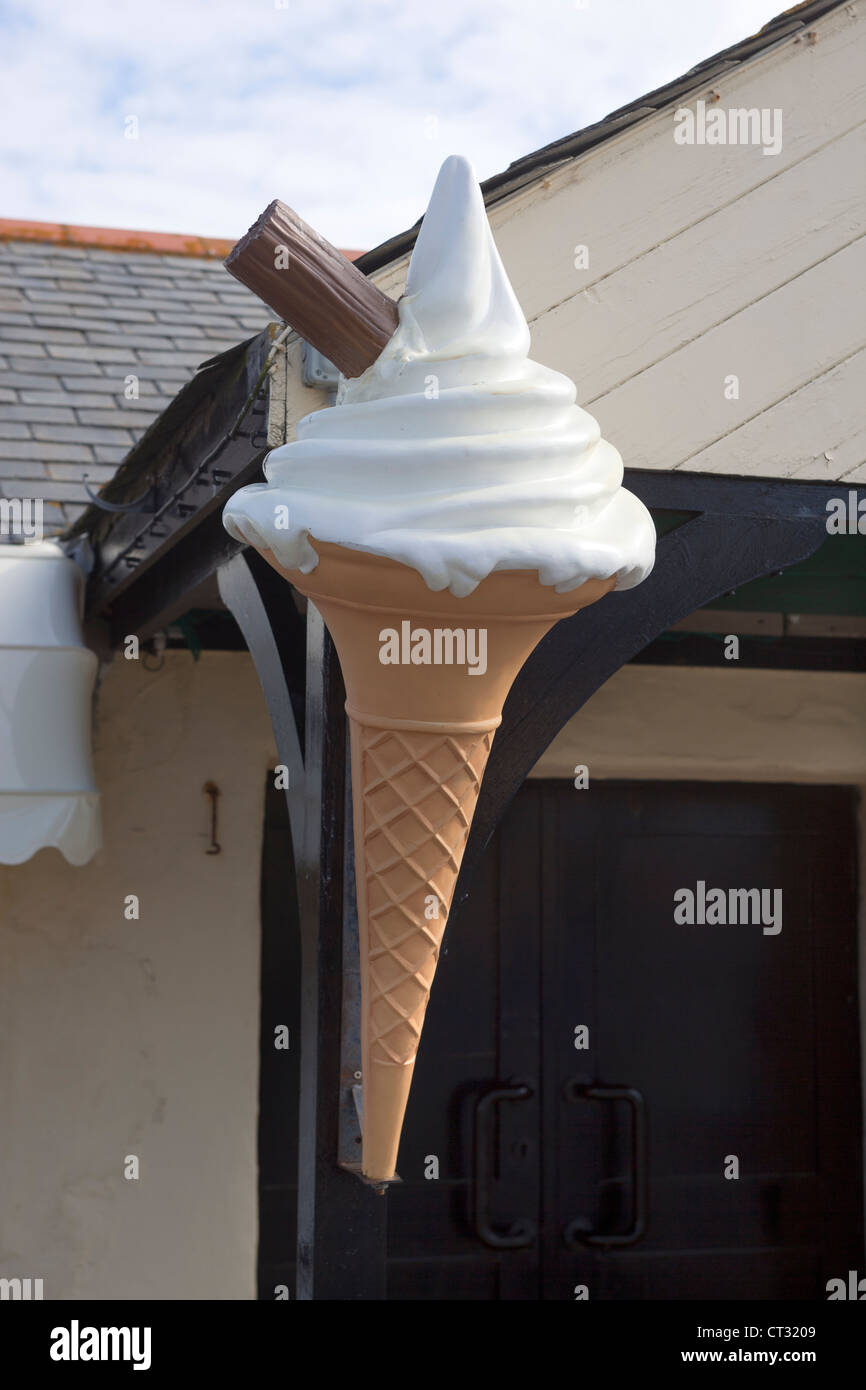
pixel 121 1037
pixel 718 724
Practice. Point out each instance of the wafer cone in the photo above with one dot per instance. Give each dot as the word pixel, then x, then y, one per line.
pixel 420 739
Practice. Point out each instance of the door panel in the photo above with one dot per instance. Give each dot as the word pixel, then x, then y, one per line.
pixel 744 1045
pixel 721 1028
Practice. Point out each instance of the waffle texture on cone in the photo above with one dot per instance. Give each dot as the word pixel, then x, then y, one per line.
pixel 417 794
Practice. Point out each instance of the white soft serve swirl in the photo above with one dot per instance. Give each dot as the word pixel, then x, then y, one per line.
pixel 454 453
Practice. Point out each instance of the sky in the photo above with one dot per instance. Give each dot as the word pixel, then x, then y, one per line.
pixel 191 115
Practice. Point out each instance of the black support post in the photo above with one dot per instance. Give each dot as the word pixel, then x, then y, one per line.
pixel 341 1221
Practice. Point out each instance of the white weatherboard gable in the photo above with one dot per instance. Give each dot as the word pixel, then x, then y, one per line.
pixel 707 261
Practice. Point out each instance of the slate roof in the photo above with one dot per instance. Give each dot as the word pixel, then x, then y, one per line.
pixel 76 322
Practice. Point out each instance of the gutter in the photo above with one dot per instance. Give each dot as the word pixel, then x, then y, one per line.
pixel 156 528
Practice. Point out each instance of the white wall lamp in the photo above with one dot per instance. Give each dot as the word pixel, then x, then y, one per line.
pixel 47 791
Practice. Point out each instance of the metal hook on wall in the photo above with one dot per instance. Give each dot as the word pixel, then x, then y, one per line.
pixel 212 790
pixel 154 648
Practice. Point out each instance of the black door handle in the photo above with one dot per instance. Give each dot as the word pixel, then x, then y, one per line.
pixel 578 1232
pixel 522 1230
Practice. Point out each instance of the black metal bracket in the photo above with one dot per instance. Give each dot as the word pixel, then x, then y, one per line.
pixel 740 530
pixel 251 591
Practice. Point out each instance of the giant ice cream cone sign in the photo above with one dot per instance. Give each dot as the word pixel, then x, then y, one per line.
pixel 450 508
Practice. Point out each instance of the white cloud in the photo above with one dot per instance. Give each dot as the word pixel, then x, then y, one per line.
pixel 345 110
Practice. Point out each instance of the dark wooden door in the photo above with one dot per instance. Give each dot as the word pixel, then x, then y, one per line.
pixel 739 1048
